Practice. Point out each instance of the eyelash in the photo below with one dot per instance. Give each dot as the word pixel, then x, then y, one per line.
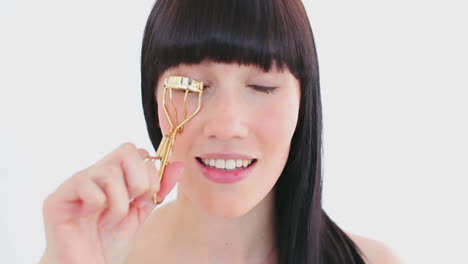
pixel 263 89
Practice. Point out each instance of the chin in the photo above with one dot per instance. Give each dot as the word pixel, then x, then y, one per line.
pixel 217 203
pixel 223 201
pixel 224 207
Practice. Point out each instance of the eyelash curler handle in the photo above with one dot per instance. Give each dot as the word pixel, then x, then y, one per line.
pixel 164 150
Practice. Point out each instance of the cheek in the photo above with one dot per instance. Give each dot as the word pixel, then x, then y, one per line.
pixel 163 119
pixel 277 120
pixel 163 122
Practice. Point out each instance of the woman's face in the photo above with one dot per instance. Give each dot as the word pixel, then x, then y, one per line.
pixel 237 121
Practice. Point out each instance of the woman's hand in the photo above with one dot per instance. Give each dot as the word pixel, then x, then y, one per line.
pixel 90 219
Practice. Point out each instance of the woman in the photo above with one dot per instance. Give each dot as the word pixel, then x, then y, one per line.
pixel 261 106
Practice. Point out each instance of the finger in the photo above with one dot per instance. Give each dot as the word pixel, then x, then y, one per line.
pixel 93 197
pixel 150 168
pixel 171 176
pixel 153 177
pixel 113 183
pixel 143 210
pixel 143 153
pixel 76 197
pixel 135 174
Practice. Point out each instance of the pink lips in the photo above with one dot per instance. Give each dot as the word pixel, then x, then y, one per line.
pixel 225 156
pixel 221 176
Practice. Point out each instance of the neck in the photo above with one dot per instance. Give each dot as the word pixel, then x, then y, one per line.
pixel 246 239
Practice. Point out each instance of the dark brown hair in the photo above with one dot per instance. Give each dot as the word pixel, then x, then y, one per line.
pixel 257 32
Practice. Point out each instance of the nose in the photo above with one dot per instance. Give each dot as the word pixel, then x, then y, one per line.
pixel 226 118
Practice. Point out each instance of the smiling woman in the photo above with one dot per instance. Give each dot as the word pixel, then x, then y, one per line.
pixel 236 47
pixel 248 164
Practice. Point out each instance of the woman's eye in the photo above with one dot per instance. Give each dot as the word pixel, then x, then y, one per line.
pixel 263 89
pixel 206 87
pixel 259 88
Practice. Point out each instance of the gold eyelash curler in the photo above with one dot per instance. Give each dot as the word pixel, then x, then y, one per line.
pixel 179 89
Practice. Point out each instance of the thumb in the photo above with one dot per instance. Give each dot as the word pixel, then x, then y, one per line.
pixel 171 176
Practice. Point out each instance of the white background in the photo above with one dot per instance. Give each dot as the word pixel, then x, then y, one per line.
pixel 394 87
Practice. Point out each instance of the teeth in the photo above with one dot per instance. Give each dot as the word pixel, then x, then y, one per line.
pixel 227 164
pixel 230 164
pixel 220 164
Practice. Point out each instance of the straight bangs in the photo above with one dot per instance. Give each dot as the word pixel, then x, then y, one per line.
pixel 248 32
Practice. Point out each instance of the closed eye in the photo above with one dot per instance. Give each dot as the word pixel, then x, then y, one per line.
pixel 264 89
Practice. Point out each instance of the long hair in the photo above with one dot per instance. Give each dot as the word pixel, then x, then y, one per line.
pixel 257 32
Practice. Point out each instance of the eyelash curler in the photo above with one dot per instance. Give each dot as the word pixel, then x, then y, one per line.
pixel 179 89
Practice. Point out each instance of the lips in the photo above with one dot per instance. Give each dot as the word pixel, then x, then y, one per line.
pixel 225 176
pixel 225 156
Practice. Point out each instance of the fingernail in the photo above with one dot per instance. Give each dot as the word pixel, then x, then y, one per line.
pixel 158 198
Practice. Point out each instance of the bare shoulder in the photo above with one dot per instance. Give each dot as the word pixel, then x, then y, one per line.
pixel 375 251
